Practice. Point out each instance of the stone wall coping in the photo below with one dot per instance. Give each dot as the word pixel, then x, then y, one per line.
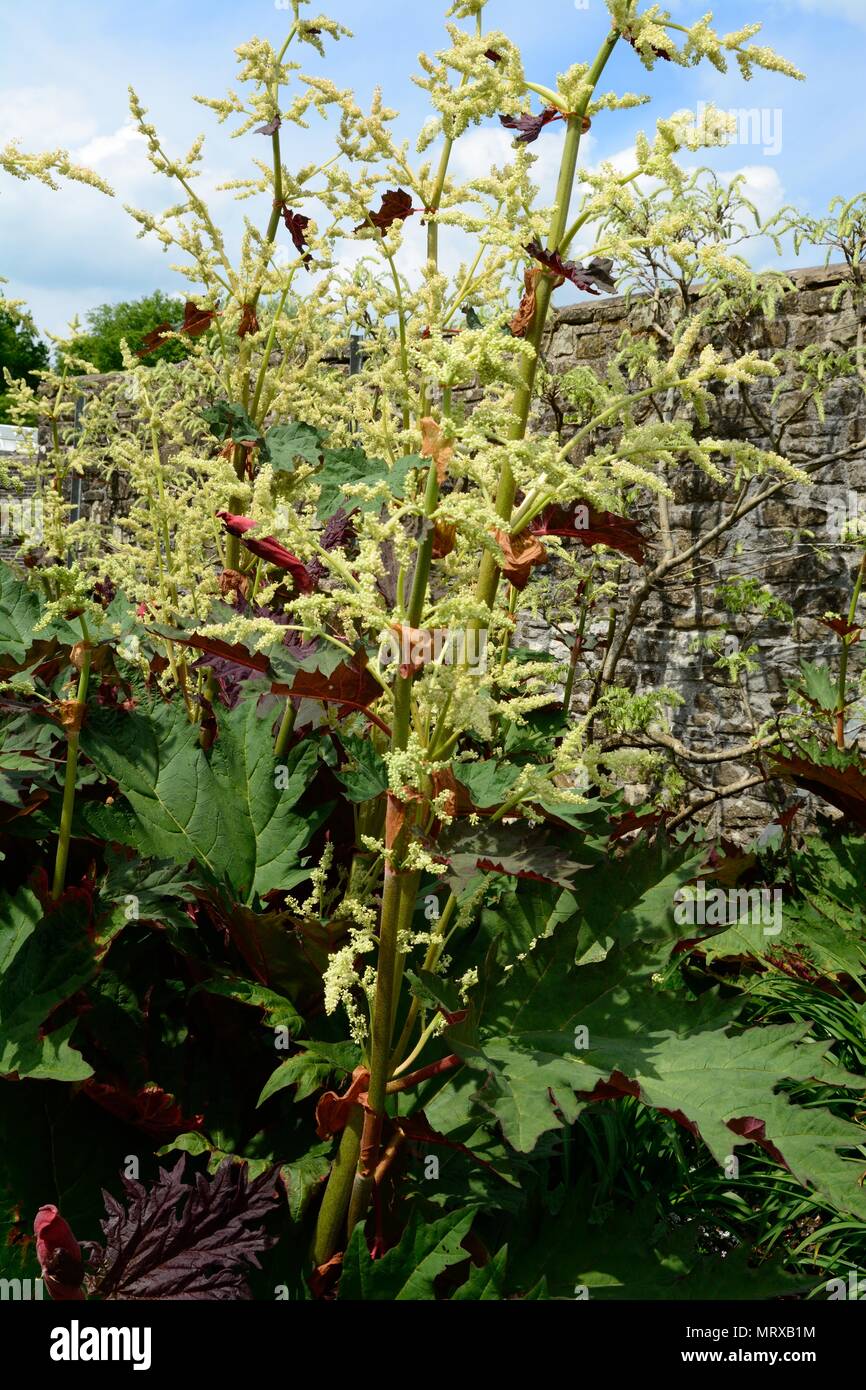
pixel 809 278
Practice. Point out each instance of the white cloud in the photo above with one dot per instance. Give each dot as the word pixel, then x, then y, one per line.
pixel 43 117
pixel 854 11
pixel 106 149
pixel 762 186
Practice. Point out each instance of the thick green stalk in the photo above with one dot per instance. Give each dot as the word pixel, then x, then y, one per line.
pixel 433 205
pixel 398 899
pixel 286 729
pixel 438 188
pixel 72 741
pixel 488 578
pixel 398 903
pixel 332 1213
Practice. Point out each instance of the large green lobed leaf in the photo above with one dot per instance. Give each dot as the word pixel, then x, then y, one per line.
pixel 233 810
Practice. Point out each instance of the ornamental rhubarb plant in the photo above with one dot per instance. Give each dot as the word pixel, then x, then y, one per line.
pixel 318 876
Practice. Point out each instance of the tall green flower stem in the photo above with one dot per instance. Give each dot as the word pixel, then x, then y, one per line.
pixel 233 544
pixel 846 647
pixel 398 904
pixel 399 893
pixel 74 716
pixel 400 890
pixel 349 1188
pixel 488 578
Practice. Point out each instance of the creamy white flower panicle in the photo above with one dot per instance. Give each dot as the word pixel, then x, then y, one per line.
pixel 266 322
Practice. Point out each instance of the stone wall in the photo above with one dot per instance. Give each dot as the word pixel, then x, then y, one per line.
pixel 791 542
pixel 20 514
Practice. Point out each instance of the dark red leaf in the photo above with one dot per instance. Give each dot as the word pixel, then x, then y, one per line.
pixel 350 686
pixel 842 627
pixel 752 1128
pixel 581 522
pixel 795 965
pixel 296 225
pixel 337 532
pixel 786 818
pixel 195 320
pixel 396 207
pixel 631 821
pixel 531 126
pixel 150 1108
pixel 249 321
pixel 268 549
pixel 180 1240
pixel 844 788
pixel 590 278
pixel 418 1130
pixel 154 339
pixel 224 651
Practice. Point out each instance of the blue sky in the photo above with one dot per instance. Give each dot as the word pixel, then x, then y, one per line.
pixel 64 71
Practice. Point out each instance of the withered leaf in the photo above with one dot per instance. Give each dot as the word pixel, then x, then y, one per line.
pixel 530 126
pixel 520 554
pixel 195 320
pixel 581 522
pixel 249 321
pixel 154 339
pixel 444 539
pixel 590 278
pixel 396 207
pixel 71 715
pixel 296 225
pixel 522 321
pixel 417 647
pixel 232 582
pixel 270 127
pixel 434 447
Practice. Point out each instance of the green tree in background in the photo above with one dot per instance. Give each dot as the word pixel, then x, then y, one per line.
pixel 22 352
pixel 108 324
